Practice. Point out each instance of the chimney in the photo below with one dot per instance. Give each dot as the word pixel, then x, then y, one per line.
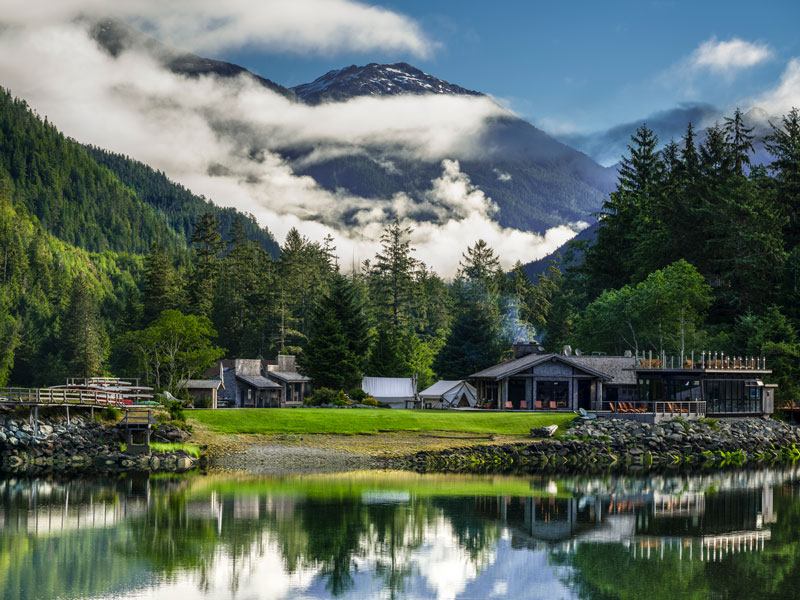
pixel 521 349
pixel 286 363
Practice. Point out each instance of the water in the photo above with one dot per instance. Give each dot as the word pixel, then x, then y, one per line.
pixel 399 535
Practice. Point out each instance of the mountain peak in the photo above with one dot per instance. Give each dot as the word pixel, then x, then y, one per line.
pixel 375 80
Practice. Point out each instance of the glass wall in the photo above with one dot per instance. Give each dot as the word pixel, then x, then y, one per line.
pixel 733 396
pixel 552 394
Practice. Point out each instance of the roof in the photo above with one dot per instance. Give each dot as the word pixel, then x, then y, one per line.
pixel 288 376
pixel 621 369
pixel 388 387
pixel 228 363
pixel 440 388
pixel 511 367
pixel 257 381
pixel 203 384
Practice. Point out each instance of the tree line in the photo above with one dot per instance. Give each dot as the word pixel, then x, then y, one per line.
pixel 696 250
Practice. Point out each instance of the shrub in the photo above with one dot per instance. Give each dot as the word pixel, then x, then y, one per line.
pixel 109 413
pixel 369 401
pixel 202 402
pixel 358 396
pixel 322 396
pixel 175 408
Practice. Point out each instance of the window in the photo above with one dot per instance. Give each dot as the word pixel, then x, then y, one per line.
pixel 552 394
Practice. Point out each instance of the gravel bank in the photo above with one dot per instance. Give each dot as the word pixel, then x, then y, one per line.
pixel 279 459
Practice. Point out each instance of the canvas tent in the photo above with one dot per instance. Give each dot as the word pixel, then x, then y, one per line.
pixel 398 392
pixel 449 394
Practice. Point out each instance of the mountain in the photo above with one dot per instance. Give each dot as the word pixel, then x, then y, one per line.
pixel 95 200
pixel 116 37
pixel 375 80
pixel 536 181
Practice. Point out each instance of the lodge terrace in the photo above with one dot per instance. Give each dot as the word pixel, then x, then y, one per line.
pixel 636 387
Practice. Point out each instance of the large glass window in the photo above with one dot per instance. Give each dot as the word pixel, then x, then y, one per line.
pixel 732 396
pixel 552 394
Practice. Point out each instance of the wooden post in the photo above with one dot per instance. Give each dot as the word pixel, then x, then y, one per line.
pixel 36 420
pixel 67 407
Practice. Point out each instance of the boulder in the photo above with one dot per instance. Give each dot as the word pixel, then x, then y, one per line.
pixel 548 431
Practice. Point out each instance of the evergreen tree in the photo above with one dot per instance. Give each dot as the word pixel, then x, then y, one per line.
pixel 207 243
pixel 84 341
pixel 336 352
pixel 783 143
pixel 160 290
pixel 740 141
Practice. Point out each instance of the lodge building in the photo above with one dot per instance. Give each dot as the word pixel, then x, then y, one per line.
pixel 633 386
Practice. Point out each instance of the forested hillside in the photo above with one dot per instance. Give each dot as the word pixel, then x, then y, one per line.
pixel 73 197
pixel 176 204
pixel 696 250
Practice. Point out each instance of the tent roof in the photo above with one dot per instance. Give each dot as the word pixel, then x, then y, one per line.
pixel 388 387
pixel 440 388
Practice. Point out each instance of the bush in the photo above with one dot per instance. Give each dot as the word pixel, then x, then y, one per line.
pixel 175 408
pixel 202 402
pixel 358 396
pixel 341 399
pixel 322 396
pixel 369 402
pixel 109 413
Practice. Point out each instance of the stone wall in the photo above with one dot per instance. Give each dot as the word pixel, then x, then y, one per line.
pixel 616 444
pixel 81 445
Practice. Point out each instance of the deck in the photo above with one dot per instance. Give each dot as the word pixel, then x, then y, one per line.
pixel 61 397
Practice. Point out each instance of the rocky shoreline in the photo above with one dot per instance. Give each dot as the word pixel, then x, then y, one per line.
pixel 81 445
pixel 621 445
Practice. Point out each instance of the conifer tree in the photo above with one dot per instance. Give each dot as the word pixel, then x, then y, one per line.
pixel 783 143
pixel 160 290
pixel 336 352
pixel 740 141
pixel 207 243
pixel 84 340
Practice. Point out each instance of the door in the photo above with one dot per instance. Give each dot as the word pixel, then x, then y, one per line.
pixel 584 394
pixel 516 394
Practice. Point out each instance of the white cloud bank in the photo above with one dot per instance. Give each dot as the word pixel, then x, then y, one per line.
pixel 318 26
pixel 219 138
pixel 786 94
pixel 726 57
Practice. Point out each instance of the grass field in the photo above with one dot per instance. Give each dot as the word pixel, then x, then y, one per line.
pixel 360 421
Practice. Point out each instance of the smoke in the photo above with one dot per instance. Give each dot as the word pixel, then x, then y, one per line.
pixel 220 138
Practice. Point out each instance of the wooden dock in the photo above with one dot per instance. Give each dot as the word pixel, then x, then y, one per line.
pixel 60 397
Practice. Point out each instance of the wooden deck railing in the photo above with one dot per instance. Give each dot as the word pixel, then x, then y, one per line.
pixel 59 397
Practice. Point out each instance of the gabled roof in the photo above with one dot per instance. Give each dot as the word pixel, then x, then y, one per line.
pixel 288 376
pixel 258 382
pixel 440 388
pixel 388 387
pixel 204 384
pixel 512 367
pixel 621 369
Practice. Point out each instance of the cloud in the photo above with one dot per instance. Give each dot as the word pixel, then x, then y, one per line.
pixel 608 146
pixel 502 175
pixel 784 96
pixel 726 57
pixel 301 26
pixel 220 138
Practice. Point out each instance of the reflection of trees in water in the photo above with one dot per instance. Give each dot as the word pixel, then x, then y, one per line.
pixel 601 571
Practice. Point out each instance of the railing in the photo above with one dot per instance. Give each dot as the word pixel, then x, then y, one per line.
pixel 692 408
pixel 700 361
pixel 56 397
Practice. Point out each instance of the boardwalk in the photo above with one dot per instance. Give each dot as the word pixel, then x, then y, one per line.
pixel 84 398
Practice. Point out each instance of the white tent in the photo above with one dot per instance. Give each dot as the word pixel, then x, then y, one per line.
pixel 449 394
pixel 399 392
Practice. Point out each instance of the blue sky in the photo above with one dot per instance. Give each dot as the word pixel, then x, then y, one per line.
pixel 576 66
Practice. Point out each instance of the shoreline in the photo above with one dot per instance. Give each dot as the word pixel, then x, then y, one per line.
pixel 598 445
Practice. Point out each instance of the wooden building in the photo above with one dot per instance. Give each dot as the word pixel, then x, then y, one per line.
pixel 204 392
pixel 295 388
pixel 632 386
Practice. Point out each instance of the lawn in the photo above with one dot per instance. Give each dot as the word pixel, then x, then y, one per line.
pixel 364 421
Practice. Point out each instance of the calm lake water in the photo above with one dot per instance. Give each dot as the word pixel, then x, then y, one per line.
pixel 399 535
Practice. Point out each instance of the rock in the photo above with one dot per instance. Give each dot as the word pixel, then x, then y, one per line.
pixel 546 432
